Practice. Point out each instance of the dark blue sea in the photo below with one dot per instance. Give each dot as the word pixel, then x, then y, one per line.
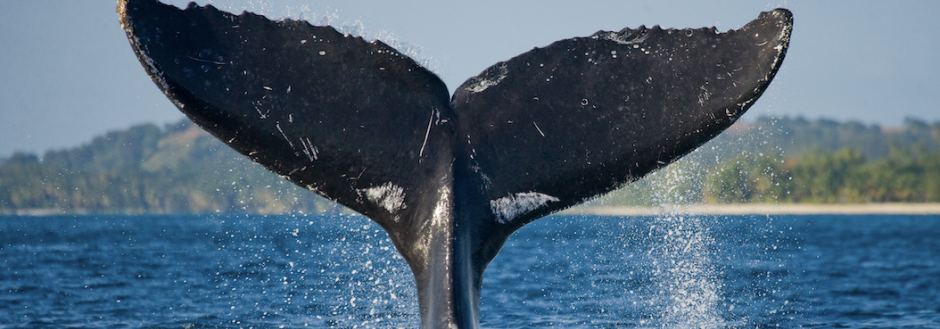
pixel 669 271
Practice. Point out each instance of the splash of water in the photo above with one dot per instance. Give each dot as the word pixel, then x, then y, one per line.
pixel 684 257
pixel 687 283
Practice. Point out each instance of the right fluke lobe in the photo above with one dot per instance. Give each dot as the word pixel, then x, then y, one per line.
pixel 584 116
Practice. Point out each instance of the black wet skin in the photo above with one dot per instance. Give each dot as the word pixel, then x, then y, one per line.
pixel 451 179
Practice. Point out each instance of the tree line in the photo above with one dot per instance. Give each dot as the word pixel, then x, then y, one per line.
pixel 180 169
pixel 844 176
pixel 146 169
pixel 793 160
pixel 903 165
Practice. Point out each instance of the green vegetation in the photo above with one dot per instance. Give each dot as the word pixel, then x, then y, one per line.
pixel 798 161
pixel 829 162
pixel 843 176
pixel 181 169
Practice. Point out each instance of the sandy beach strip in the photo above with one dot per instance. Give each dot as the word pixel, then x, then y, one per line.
pixel 767 209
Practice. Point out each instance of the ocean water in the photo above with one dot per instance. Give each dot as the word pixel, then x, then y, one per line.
pixel 670 271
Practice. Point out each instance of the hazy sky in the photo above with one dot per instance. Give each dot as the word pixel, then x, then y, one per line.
pixel 68 74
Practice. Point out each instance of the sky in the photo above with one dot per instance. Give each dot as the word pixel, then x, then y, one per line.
pixel 68 74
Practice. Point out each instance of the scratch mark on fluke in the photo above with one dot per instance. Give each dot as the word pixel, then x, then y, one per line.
pixel 537 128
pixel 443 204
pixel 427 133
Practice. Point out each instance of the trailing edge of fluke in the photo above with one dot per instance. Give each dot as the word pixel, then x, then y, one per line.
pixel 450 179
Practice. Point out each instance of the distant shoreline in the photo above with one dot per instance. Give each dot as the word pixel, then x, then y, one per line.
pixel 701 209
pixel 767 209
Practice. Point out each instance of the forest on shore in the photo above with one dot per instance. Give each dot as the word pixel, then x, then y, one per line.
pixel 178 168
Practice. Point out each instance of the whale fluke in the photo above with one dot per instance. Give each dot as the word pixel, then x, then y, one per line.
pixel 450 179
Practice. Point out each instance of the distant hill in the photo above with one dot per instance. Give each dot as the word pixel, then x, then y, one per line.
pixel 181 169
pixel 799 136
pixel 793 137
pixel 794 160
pixel 146 169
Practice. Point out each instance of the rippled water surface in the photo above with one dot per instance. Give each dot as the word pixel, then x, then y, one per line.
pixel 564 271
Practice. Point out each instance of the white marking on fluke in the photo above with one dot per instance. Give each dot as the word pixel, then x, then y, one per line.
pixel 479 84
pixel 439 217
pixel 624 37
pixel 509 207
pixel 388 196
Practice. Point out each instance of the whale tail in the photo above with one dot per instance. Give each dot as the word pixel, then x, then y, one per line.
pixel 450 179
